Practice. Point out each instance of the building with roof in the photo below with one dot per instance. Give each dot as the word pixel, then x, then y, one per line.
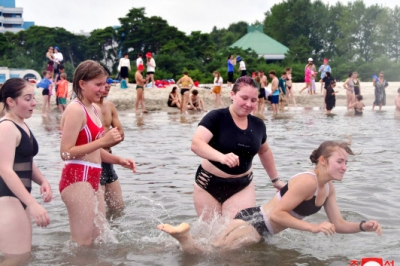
pixel 11 17
pixel 262 44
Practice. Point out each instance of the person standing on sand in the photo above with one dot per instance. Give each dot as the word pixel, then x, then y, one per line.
pixel 380 85
pixel 110 190
pixel 151 68
pixel 304 195
pixel 124 67
pixel 308 78
pixel 227 139
pixel 323 69
pixel 185 83
pixel 140 81
pixel 242 66
pixel 217 89
pixel 139 60
pixel 231 68
pixel 275 91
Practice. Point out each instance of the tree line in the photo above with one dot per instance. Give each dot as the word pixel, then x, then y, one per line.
pixel 355 37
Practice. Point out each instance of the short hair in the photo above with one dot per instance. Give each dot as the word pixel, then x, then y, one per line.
pixel 272 72
pixel 195 92
pixel 50 62
pixel 44 73
pixel 125 54
pixel 288 69
pixel 185 73
pixel 140 54
pixel 61 67
pixel 359 97
pixel 284 73
pixel 63 75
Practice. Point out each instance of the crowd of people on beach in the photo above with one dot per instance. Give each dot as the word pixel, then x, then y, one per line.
pixel 226 140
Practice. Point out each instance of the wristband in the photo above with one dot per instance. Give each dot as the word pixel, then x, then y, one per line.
pixel 361 223
pixel 274 180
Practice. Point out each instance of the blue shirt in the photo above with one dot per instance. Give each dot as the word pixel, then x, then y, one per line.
pixel 323 69
pixel 282 85
pixel 230 66
pixel 44 83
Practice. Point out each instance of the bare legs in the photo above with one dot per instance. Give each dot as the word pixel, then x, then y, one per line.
pixel 218 100
pixel 290 95
pixel 45 104
pixel 15 232
pixel 85 212
pixel 185 100
pixel 237 234
pixel 308 85
pixel 150 77
pixel 350 99
pixel 112 195
pixel 140 100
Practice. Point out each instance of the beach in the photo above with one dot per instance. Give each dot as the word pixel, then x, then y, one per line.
pixel 156 98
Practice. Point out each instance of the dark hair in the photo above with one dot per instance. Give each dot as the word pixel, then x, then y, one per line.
pixel 185 73
pixel 140 54
pixel 240 82
pixel 284 73
pixel 288 69
pixel 350 74
pixel 327 148
pixel 272 72
pixel 50 62
pixel 328 74
pixel 44 73
pixel 12 88
pixel 60 67
pixel 195 92
pixel 173 89
pixel 87 70
pixel 125 54
pixel 229 56
pixel 359 97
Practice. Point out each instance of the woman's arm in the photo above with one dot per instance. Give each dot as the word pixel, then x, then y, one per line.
pixel 72 121
pixel 201 147
pixel 301 188
pixel 267 160
pixel 342 226
pixel 45 189
pixel 345 85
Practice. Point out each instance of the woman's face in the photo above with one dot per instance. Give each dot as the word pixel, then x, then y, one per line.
pixel 336 164
pixel 24 104
pixel 93 90
pixel 381 76
pixel 245 100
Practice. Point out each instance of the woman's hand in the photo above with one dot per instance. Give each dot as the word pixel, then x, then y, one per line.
pixel 39 214
pixel 372 226
pixel 45 191
pixel 111 137
pixel 324 227
pixel 279 185
pixel 128 163
pixel 230 160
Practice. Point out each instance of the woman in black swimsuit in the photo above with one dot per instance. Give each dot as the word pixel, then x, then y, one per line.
pixel 173 98
pixel 18 147
pixel 305 194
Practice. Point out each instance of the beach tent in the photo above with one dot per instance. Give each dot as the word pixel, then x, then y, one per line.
pixel 261 43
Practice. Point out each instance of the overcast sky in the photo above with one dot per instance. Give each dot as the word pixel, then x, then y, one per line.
pixel 186 15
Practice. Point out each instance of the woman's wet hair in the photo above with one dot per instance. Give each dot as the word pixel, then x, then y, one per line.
pixel 243 81
pixel 86 71
pixel 327 148
pixel 12 88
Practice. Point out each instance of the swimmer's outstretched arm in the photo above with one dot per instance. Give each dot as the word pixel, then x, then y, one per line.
pixel 342 226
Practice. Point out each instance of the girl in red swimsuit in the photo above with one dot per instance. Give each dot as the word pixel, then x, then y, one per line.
pixel 82 150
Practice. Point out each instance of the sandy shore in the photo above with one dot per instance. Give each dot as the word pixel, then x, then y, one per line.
pixel 156 98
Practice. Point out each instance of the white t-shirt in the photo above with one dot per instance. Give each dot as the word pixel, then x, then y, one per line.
pixel 219 82
pixel 151 65
pixel 58 57
pixel 242 65
pixel 124 62
pixel 139 61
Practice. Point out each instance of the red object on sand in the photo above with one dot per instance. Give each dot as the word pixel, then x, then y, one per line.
pixel 196 83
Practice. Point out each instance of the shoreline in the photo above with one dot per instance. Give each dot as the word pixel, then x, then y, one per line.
pixel 156 98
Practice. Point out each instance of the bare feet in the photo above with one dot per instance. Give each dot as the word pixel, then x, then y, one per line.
pixel 178 232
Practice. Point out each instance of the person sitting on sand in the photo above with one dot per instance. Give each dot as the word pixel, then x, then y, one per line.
pixel 196 102
pixel 303 195
pixel 173 98
pixel 358 105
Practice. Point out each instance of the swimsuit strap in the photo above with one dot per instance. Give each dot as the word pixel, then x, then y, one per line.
pixel 87 113
pixel 315 176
